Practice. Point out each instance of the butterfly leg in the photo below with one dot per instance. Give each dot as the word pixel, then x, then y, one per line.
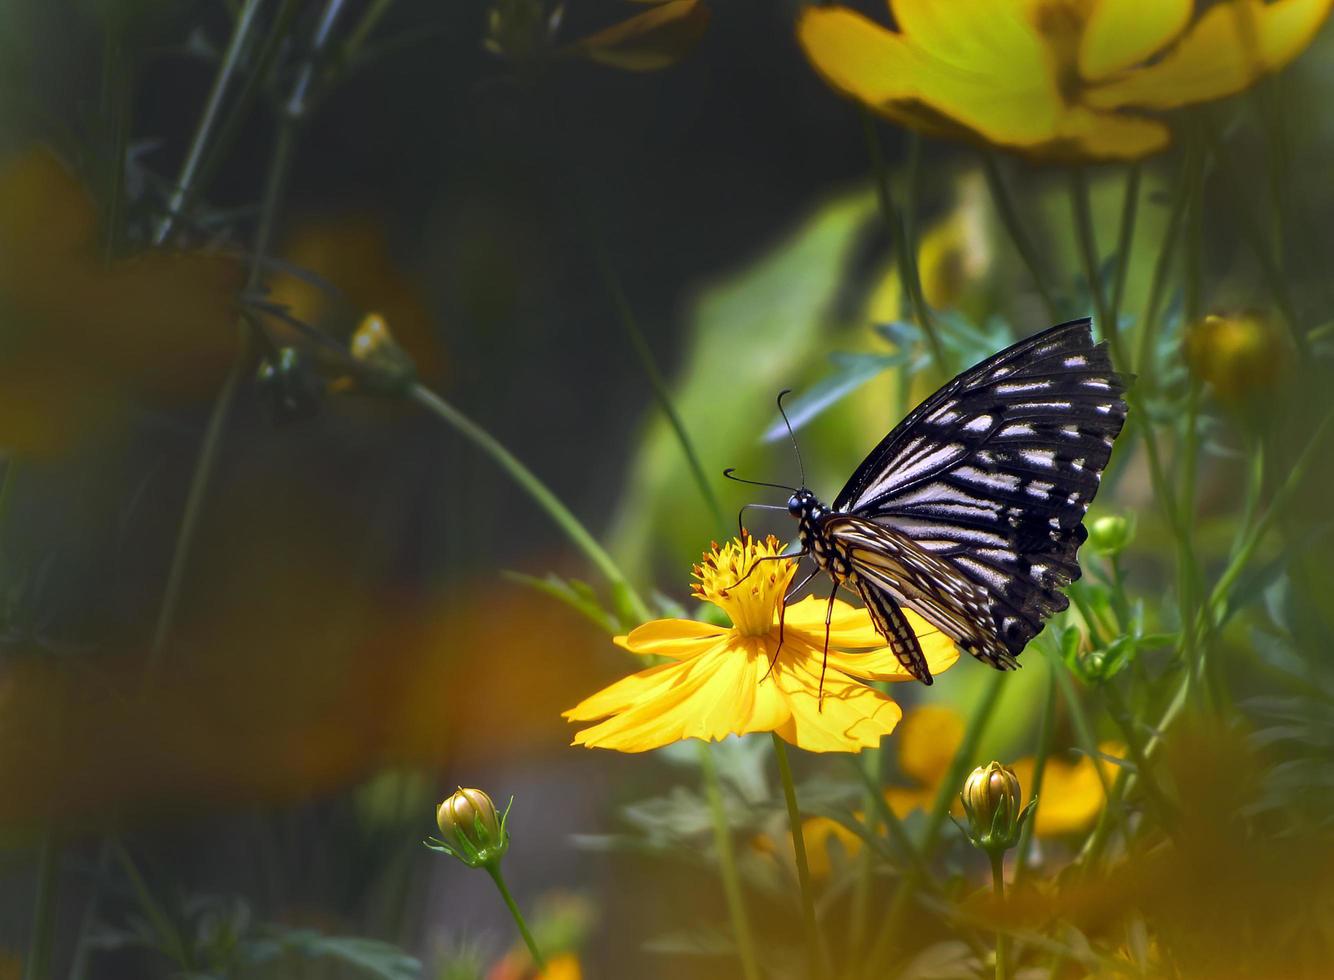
pixel 828 618
pixel 782 612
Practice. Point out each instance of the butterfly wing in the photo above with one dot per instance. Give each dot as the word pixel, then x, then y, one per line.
pixel 991 476
pixel 890 569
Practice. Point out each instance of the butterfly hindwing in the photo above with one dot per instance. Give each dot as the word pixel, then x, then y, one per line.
pixel 988 481
pixel 894 626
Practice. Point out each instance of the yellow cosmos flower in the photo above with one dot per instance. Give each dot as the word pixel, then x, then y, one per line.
pixel 718 681
pixel 1053 78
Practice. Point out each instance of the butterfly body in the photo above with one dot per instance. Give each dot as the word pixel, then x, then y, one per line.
pixel 969 511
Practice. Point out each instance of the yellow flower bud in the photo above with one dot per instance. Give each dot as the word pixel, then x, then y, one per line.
pixel 1237 355
pixel 471 828
pixel 991 797
pixel 386 367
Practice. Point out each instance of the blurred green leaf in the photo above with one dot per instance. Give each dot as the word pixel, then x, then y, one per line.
pixel 578 595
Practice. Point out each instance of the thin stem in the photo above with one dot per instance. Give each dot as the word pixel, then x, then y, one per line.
pixel 37 966
pixel 1078 717
pixel 209 450
pixel 1124 242
pixel 626 315
pixel 1144 361
pixel 369 21
pixel 172 942
pixel 867 766
pixel 814 941
pixel 1045 729
pixel 1009 215
pixel 909 275
pixel 1088 252
pixel 1120 712
pixel 493 870
pixel 231 59
pixel 115 103
pixel 535 488
pixel 1271 272
pixel 997 857
pixel 945 795
pixel 894 827
pixel 722 837
pixel 246 96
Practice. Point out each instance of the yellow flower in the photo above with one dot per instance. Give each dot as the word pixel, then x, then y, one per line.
pixel 1239 355
pixel 1072 793
pixel 718 681
pixel 1052 78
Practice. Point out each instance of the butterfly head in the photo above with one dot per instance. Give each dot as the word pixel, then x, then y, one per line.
pixel 801 502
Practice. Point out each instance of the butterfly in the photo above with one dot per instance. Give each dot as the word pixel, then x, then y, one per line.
pixel 969 511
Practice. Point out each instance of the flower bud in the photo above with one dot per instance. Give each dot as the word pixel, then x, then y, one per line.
pixel 991 797
pixel 386 367
pixel 471 829
pixel 1110 534
pixel 1238 355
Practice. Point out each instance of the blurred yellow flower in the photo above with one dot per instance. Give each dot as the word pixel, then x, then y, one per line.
pixel 1237 355
pixel 953 256
pixel 1072 793
pixel 1051 78
pixel 719 681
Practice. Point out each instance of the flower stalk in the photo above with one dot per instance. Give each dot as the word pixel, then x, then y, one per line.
pixel 814 941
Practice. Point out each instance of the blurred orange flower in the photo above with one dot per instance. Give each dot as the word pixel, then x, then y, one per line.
pixel 657 38
pixel 1052 78
pixel 83 338
pixel 724 681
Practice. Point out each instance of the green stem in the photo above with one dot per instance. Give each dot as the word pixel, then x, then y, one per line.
pixel 722 836
pixel 1164 812
pixel 909 275
pixel 209 450
pixel 493 869
pixel 231 60
pixel 1078 717
pixel 1045 729
pixel 1009 215
pixel 626 315
pixel 1088 252
pixel 814 942
pixel 535 488
pixel 1124 242
pixel 369 21
pixel 945 795
pixel 37 966
pixel 115 103
pixel 867 765
pixel 1144 360
pixel 1270 270
pixel 997 857
pixel 894 827
pixel 172 942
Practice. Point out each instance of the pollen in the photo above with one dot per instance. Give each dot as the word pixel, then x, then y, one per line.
pixel 747 579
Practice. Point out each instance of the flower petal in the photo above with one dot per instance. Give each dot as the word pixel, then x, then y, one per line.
pixel 1121 33
pixel 930 737
pixel 881 665
pixel 679 639
pixel 1227 50
pixel 1083 134
pixel 1072 793
pixel 848 718
pixel 850 626
pixel 710 696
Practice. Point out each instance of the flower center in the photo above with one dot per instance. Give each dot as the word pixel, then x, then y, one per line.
pixel 747 580
pixel 1061 23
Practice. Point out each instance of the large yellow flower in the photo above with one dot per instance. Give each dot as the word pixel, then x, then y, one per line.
pixel 718 682
pixel 1053 78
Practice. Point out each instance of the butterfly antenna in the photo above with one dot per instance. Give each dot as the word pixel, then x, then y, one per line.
pixel 731 471
pixel 791 435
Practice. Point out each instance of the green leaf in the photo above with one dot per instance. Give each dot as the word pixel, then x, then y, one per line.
pixel 579 596
pixel 851 371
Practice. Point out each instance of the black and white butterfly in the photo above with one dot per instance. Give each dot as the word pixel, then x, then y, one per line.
pixel 969 512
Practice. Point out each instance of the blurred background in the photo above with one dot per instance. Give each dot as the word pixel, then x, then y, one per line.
pixel 221 760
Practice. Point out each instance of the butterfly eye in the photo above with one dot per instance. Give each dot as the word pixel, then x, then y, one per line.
pixel 794 505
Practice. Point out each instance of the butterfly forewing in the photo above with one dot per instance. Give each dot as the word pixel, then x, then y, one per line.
pixel 984 486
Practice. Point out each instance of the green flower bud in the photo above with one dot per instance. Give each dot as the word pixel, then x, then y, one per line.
pixel 471 829
pixel 1110 534
pixel 991 798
